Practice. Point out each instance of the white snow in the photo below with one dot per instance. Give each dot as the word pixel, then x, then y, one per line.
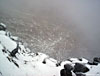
pixel 31 64
pixel 7 42
pixel 2 32
pixel 76 60
pixel 2 24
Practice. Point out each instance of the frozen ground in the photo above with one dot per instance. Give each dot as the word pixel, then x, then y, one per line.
pixel 17 60
pixel 60 29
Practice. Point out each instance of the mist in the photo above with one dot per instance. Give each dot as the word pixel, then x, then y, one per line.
pixel 60 28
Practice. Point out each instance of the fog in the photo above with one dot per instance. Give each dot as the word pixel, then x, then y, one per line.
pixel 59 28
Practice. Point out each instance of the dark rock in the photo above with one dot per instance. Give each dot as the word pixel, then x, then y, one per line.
pixel 80 68
pixel 93 63
pixel 90 63
pixel 9 59
pixel 44 62
pixel 80 59
pixel 63 72
pixel 68 67
pixel 4 50
pixel 14 51
pixel 58 64
pixel 69 60
pixel 67 70
pixel 69 73
pixel 96 59
pixel 36 54
pixel 15 63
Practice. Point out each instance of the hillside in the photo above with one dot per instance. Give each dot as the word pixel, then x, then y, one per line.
pixel 18 60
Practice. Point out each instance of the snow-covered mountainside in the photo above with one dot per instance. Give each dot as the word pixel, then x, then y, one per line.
pixel 17 60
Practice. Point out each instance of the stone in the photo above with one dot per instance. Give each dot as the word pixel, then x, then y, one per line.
pixel 63 72
pixel 96 59
pixel 68 67
pixel 80 68
pixel 14 51
pixel 2 27
pixel 92 63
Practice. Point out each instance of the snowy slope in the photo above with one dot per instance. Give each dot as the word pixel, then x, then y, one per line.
pixel 26 63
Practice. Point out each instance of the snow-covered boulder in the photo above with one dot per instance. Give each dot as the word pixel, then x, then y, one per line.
pixel 2 26
pixel 17 60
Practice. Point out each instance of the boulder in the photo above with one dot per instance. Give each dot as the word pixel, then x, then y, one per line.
pixel 92 63
pixel 80 68
pixel 63 72
pixel 14 51
pixel 96 59
pixel 68 67
pixel 2 27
